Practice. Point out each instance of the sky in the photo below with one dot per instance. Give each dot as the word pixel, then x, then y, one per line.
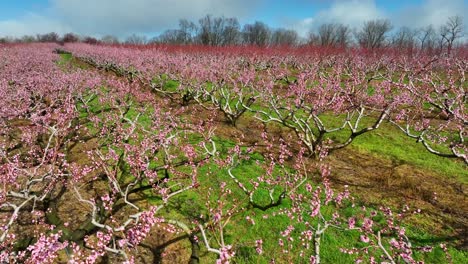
pixel 125 17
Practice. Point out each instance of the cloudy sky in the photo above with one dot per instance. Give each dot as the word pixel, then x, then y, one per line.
pixel 149 17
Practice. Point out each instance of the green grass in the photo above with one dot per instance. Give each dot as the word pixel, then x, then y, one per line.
pixel 390 143
pixel 65 59
pixel 239 232
pixel 243 234
pixel 386 142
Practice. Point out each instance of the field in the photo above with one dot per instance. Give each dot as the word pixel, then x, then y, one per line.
pixel 191 154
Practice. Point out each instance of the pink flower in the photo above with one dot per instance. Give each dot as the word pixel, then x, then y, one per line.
pixel 365 239
pixel 280 242
pixel 250 220
pixel 216 217
pixel 259 246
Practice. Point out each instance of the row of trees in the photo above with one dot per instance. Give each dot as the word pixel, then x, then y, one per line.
pixel 209 81
pixel 219 31
pixel 222 31
pixel 66 38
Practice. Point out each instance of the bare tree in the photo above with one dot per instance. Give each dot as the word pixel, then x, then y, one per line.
pixel 215 31
pixel 172 36
pixel 6 40
pixel 70 37
pixel 48 37
pixel 90 40
pixel 343 35
pixel 427 38
pixel 185 34
pixel 333 34
pixel 109 39
pixel 28 39
pixel 404 38
pixel 326 34
pixel 283 36
pixel 135 39
pixel 313 39
pixel 256 34
pixel 218 30
pixel 187 31
pixel 373 33
pixel 451 31
pixel 231 31
pixel 208 27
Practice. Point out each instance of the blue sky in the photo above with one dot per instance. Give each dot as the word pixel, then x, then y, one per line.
pixel 16 9
pixel 124 17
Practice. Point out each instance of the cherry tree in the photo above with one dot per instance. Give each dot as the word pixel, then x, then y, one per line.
pixel 126 159
pixel 434 106
pixel 305 105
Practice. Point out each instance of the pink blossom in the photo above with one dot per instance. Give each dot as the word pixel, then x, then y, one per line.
pixel 259 246
pixel 365 239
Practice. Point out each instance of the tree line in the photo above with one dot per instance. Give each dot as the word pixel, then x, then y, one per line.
pixel 225 31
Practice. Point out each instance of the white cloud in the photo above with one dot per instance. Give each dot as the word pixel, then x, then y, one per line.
pixel 355 12
pixel 32 24
pixel 123 17
pixel 352 13
pixel 433 12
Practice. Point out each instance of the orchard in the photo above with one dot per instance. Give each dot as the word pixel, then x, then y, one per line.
pixel 195 154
